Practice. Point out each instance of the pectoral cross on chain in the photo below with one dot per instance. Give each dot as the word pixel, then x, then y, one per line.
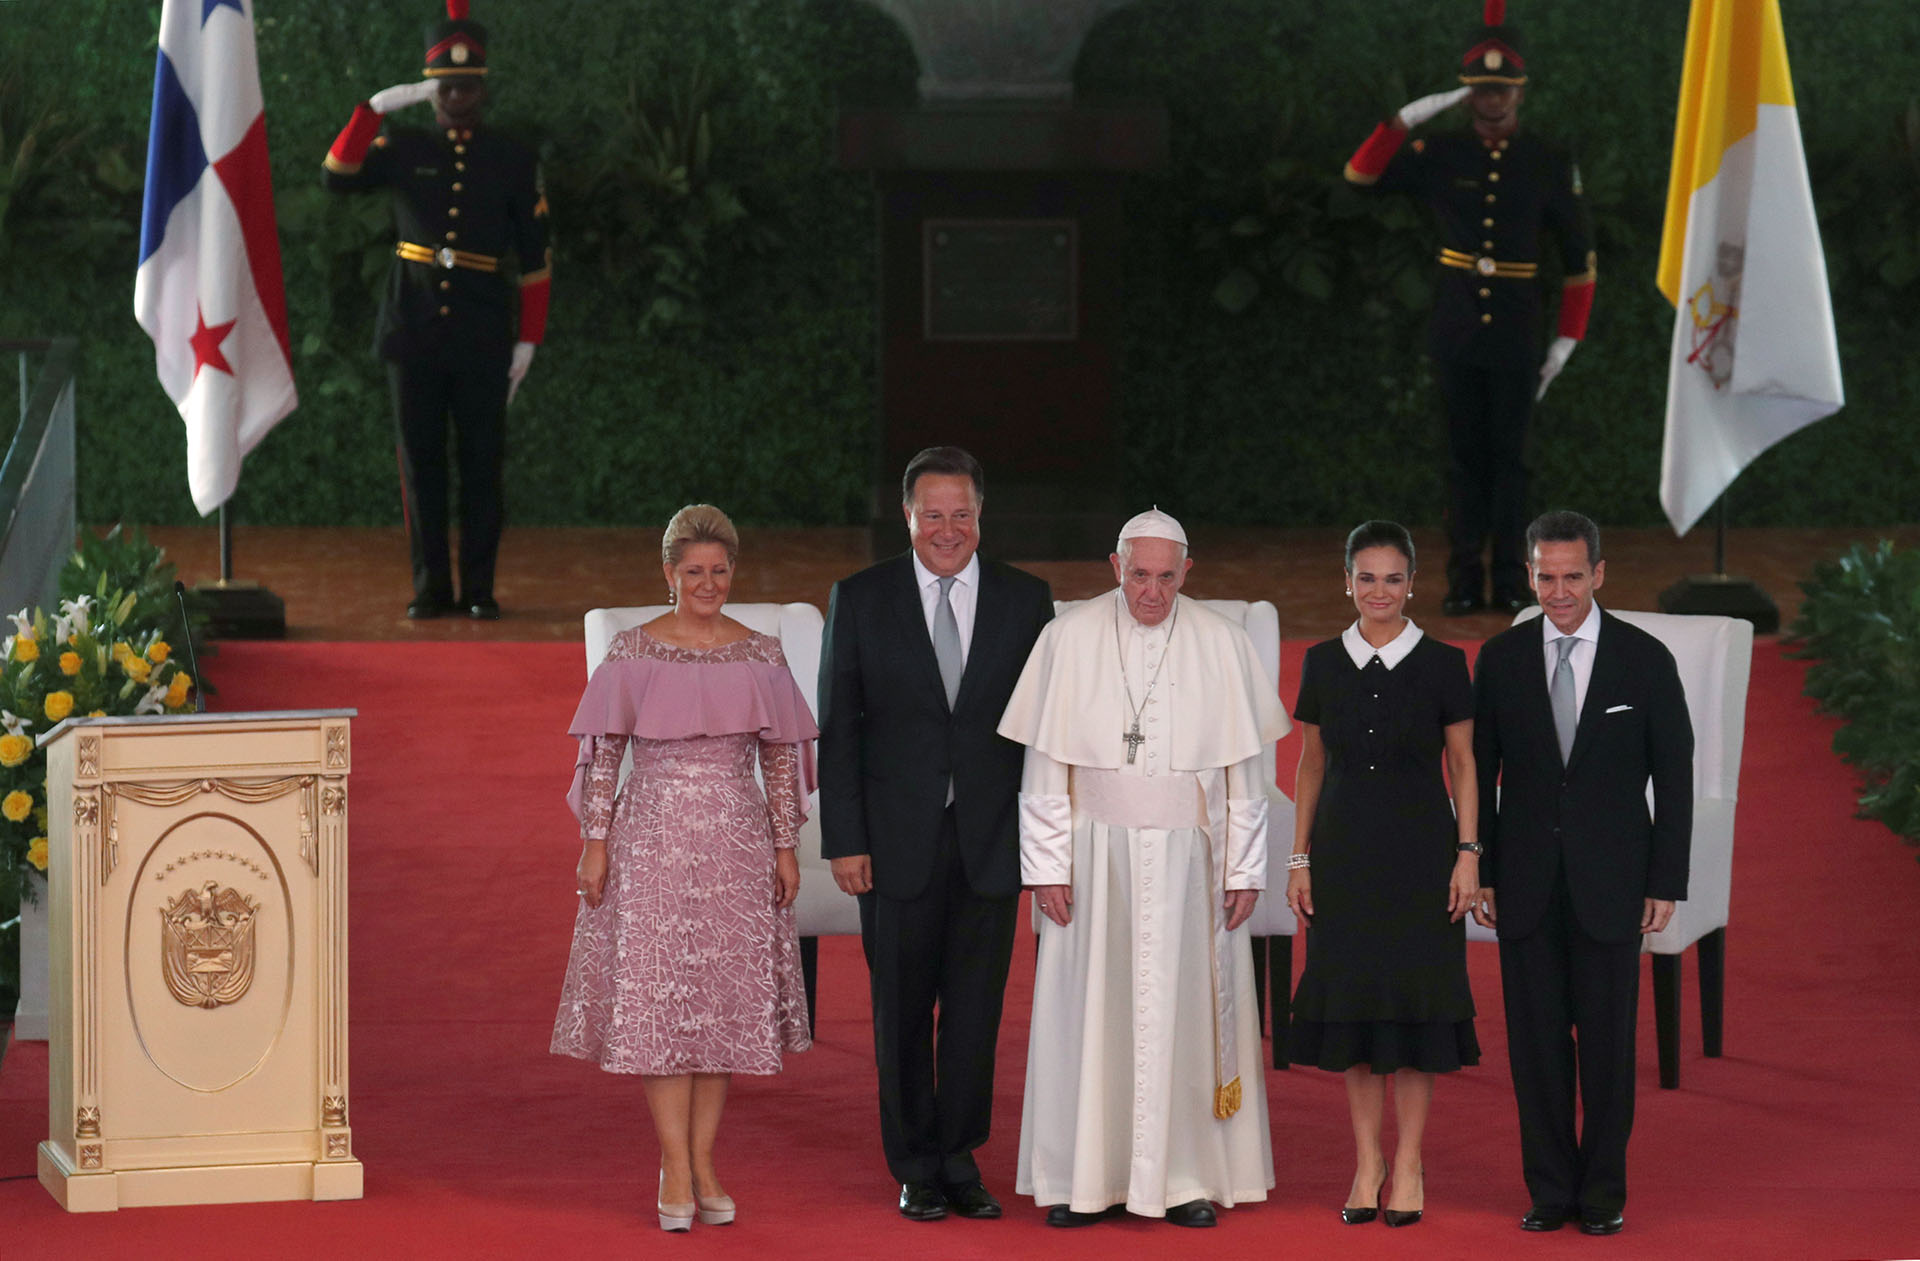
pixel 1134 740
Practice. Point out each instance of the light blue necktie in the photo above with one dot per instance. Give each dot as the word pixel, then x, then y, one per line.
pixel 1566 712
pixel 946 641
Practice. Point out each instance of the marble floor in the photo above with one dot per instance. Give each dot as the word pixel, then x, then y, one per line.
pixel 352 583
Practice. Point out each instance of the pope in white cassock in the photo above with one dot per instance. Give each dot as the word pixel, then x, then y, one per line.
pixel 1143 824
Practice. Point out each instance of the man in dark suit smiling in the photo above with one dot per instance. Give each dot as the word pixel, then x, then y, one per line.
pixel 1575 712
pixel 919 816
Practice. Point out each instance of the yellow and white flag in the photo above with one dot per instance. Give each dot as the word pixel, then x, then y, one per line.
pixel 1754 355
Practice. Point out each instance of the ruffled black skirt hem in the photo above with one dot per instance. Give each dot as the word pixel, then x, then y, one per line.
pixel 1435 1046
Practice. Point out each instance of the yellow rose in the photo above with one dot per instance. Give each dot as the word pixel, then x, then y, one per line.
pixel 37 852
pixel 26 648
pixel 69 663
pixel 122 650
pixel 157 651
pixel 59 705
pixel 98 713
pixel 16 806
pixel 178 687
pixel 137 668
pixel 15 749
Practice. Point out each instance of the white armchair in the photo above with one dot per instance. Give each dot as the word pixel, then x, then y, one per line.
pixel 1272 960
pixel 1715 658
pixel 821 909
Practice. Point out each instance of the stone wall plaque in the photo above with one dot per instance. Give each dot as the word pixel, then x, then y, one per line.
pixel 1001 279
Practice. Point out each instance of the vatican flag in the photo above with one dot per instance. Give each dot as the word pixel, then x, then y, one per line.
pixel 1754 356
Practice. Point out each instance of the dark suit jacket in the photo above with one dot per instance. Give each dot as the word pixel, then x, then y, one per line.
pixel 889 742
pixel 1591 814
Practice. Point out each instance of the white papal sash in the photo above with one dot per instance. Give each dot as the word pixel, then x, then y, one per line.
pixel 1179 802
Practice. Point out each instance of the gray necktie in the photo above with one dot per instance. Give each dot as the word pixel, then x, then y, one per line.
pixel 946 641
pixel 1566 713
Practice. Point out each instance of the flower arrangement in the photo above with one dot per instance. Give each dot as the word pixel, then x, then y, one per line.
pixel 84 660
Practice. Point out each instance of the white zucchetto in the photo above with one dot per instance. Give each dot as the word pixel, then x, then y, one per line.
pixel 1153 524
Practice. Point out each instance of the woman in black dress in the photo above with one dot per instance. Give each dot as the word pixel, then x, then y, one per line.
pixel 1384 991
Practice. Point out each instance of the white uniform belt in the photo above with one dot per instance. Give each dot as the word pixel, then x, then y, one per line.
pixel 1139 801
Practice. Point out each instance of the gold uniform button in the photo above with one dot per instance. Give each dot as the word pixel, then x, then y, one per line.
pixel 458 186
pixel 452 134
pixel 453 212
pixel 448 284
pixel 459 166
pixel 1485 319
pixel 1495 155
pixel 444 310
pixel 1486 223
pixel 1494 176
pixel 1485 293
pixel 453 236
pixel 459 148
pixel 1486 245
pixel 1489 199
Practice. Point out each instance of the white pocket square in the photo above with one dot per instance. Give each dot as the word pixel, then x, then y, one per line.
pixel 1618 709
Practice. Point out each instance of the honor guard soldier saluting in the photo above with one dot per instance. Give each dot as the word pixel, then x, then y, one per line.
pixel 1492 190
pixel 466 202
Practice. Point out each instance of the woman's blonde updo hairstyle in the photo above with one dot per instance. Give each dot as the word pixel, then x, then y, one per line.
pixel 698 523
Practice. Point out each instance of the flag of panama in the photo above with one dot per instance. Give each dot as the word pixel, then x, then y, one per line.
pixel 1754 354
pixel 209 290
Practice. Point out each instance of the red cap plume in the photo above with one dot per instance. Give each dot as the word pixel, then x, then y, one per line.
pixel 457 9
pixel 1496 13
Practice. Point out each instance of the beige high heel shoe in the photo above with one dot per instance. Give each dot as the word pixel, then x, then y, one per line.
pixel 673 1217
pixel 715 1210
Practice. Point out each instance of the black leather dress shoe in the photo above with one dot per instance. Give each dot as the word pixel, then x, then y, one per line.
pixel 1459 604
pixel 1192 1213
pixel 972 1199
pixel 484 609
pixel 1592 1223
pixel 1545 1217
pixel 922 1202
pixel 426 609
pixel 1061 1215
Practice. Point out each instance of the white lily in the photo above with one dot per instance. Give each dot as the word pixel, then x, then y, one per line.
pixel 154 701
pixel 22 624
pixel 61 629
pixel 15 725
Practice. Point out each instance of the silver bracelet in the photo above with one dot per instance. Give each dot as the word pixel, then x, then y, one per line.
pixel 1298 862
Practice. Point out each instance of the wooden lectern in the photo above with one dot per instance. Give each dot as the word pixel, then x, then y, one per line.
pixel 197 899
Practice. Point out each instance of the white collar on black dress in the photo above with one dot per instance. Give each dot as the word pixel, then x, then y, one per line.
pixel 1361 652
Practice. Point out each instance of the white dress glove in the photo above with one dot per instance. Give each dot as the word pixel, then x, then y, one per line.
pixel 1557 356
pixel 1413 114
pixel 387 100
pixel 517 370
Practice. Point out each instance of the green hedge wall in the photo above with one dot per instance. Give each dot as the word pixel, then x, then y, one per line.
pixel 1296 411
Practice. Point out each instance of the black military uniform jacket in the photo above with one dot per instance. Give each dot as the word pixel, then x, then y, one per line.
pixel 475 192
pixel 1492 201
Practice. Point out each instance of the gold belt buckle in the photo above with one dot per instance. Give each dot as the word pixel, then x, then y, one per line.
pixel 1483 265
pixel 445 257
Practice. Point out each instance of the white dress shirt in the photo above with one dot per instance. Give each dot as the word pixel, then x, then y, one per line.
pixel 965 598
pixel 1588 636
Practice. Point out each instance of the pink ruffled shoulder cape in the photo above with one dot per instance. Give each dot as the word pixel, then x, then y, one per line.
pixel 674 700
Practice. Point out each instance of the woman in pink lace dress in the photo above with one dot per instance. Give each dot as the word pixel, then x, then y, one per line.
pixel 686 965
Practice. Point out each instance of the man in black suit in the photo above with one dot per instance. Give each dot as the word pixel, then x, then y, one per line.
pixel 918 812
pixel 1574 713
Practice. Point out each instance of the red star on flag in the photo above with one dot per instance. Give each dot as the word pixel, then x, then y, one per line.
pixel 206 345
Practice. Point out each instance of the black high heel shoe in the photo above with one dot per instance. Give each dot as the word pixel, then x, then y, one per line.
pixel 1405 1217
pixel 1361 1216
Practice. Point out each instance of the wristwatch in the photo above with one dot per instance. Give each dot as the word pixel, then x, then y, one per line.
pixel 1471 847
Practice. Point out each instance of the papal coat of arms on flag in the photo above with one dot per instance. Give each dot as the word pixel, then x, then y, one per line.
pixel 206 945
pixel 1754 356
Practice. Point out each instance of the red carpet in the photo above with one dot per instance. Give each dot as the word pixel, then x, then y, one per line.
pixel 1800 1143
